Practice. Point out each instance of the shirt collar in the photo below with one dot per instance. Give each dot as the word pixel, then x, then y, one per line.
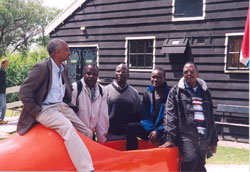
pixel 55 67
pixel 188 87
pixel 116 84
pixel 85 85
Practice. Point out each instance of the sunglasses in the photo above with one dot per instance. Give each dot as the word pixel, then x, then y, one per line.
pixel 191 71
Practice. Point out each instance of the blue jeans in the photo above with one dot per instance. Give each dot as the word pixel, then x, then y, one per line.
pixel 2 106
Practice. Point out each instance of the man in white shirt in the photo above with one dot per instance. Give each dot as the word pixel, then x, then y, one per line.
pixel 90 98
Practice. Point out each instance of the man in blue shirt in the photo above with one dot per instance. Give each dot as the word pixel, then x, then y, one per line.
pixel 46 96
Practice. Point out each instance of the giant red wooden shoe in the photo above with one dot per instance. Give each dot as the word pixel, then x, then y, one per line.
pixel 42 149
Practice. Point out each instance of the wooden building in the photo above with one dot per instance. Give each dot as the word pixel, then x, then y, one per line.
pixel 166 33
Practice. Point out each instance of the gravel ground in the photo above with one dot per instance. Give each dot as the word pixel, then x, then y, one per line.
pixel 227 168
pixel 233 144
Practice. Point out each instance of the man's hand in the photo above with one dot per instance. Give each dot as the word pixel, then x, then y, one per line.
pixel 167 144
pixel 212 148
pixel 152 136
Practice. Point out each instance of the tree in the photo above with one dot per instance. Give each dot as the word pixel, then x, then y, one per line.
pixel 21 22
pixel 46 16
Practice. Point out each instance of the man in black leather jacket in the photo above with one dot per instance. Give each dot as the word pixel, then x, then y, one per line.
pixel 189 122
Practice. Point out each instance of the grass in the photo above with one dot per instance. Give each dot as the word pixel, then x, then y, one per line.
pixel 228 155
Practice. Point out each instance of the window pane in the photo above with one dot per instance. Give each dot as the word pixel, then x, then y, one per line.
pixel 188 8
pixel 132 46
pixel 149 60
pixel 149 46
pixel 234 45
pixel 132 60
pixel 141 48
pixel 232 61
pixel 140 61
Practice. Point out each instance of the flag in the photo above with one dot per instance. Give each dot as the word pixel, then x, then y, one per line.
pixel 244 54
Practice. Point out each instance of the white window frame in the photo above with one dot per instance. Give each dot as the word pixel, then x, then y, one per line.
pixel 227 35
pixel 189 18
pixel 88 46
pixel 140 38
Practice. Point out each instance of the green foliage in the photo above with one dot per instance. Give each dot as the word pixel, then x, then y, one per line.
pixel 19 66
pixel 228 155
pixel 46 16
pixel 21 22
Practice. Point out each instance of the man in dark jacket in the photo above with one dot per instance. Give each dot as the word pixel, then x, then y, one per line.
pixel 46 96
pixel 4 65
pixel 189 121
pixel 152 112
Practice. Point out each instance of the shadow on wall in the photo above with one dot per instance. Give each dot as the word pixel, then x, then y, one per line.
pixel 178 51
pixel 177 61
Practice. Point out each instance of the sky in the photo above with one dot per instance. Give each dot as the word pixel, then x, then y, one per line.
pixel 62 4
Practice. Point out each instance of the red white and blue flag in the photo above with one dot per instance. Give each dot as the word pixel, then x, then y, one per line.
pixel 244 55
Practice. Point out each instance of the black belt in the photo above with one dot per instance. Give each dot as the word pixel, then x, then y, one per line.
pixel 50 103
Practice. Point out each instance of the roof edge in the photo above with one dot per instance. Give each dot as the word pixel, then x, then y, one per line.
pixel 63 15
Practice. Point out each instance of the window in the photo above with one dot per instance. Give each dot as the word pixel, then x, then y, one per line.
pixel 140 53
pixel 233 49
pixel 188 10
pixel 80 56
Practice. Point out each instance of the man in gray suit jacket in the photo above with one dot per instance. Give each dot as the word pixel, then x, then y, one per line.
pixel 46 96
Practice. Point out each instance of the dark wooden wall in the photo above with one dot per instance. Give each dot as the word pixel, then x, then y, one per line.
pixel 108 22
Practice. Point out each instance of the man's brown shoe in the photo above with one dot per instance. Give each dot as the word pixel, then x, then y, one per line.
pixel 3 122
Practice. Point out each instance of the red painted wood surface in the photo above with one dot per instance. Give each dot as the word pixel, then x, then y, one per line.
pixel 42 149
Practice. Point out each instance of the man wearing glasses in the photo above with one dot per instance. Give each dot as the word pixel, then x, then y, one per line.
pixel 189 122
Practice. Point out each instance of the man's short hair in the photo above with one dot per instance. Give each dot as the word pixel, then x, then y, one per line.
pixel 91 64
pixel 189 62
pixel 53 45
pixel 160 69
pixel 123 64
pixel 4 61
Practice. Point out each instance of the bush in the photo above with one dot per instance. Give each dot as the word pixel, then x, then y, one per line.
pixel 19 66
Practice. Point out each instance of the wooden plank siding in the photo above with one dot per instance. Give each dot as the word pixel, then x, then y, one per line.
pixel 109 22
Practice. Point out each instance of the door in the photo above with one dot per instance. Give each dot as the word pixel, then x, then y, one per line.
pixel 80 56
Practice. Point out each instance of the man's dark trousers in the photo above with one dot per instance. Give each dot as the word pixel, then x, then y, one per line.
pixel 135 130
pixel 193 158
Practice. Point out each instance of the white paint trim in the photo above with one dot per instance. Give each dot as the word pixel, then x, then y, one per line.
pixel 238 71
pixel 81 45
pixel 225 54
pixel 88 46
pixel 140 38
pixel 140 70
pixel 63 16
pixel 189 18
pixel 234 34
